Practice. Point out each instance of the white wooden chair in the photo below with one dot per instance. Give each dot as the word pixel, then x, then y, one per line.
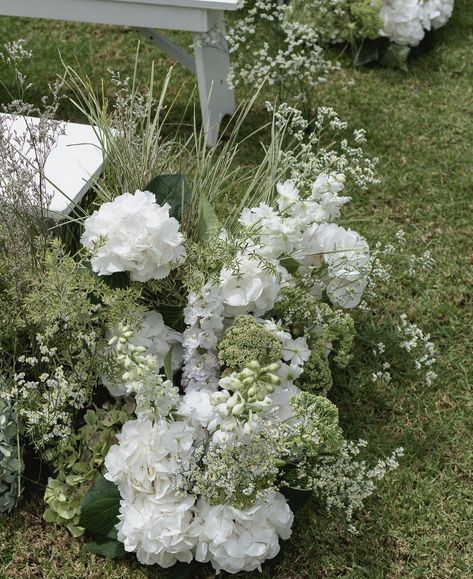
pixel 71 167
pixel 210 64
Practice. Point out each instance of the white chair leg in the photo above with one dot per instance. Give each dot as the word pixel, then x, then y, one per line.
pixel 212 64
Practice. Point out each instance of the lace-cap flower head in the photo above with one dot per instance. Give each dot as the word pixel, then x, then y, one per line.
pixel 134 233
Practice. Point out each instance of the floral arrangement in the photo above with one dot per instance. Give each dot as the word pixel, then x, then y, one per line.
pixel 202 468
pixel 286 43
pixel 403 23
pixel 169 351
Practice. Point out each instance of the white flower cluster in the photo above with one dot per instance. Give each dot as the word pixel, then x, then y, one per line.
pixel 156 521
pixel 405 22
pixel 163 525
pixel 301 229
pixel 292 55
pixel 158 340
pixel 308 157
pixel 234 540
pixel 203 317
pixel 133 233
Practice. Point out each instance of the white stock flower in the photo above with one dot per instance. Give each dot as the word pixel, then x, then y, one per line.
pixel 251 288
pixel 158 339
pixel 159 532
pixel 133 233
pixel 325 192
pixel 329 183
pixel 234 540
pixel 288 195
pixel 275 234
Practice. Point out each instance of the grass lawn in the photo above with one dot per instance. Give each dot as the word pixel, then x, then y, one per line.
pixel 420 125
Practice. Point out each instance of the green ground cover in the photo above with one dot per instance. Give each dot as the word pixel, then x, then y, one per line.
pixel 420 125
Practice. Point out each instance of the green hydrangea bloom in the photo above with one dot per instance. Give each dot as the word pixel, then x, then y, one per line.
pixel 10 462
pixel 317 375
pixel 63 504
pixel 317 430
pixel 246 341
pixel 330 334
pixel 79 463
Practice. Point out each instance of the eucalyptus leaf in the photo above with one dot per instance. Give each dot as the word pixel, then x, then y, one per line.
pixel 100 508
pixel 172 189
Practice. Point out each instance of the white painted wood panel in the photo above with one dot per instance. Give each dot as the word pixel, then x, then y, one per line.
pixel 75 161
pixel 115 12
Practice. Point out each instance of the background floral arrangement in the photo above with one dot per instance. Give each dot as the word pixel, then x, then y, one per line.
pixel 290 39
pixel 165 337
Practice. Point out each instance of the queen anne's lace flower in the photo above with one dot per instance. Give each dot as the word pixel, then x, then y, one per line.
pixel 133 233
pixel 234 540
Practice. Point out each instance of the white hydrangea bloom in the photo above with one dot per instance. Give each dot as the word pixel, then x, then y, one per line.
pixel 158 339
pixel 252 288
pixel 347 268
pixel 438 12
pixel 276 235
pixel 159 532
pixel 133 233
pixel 234 540
pixel 145 457
pixel 197 408
pixel 346 255
pixel 403 21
